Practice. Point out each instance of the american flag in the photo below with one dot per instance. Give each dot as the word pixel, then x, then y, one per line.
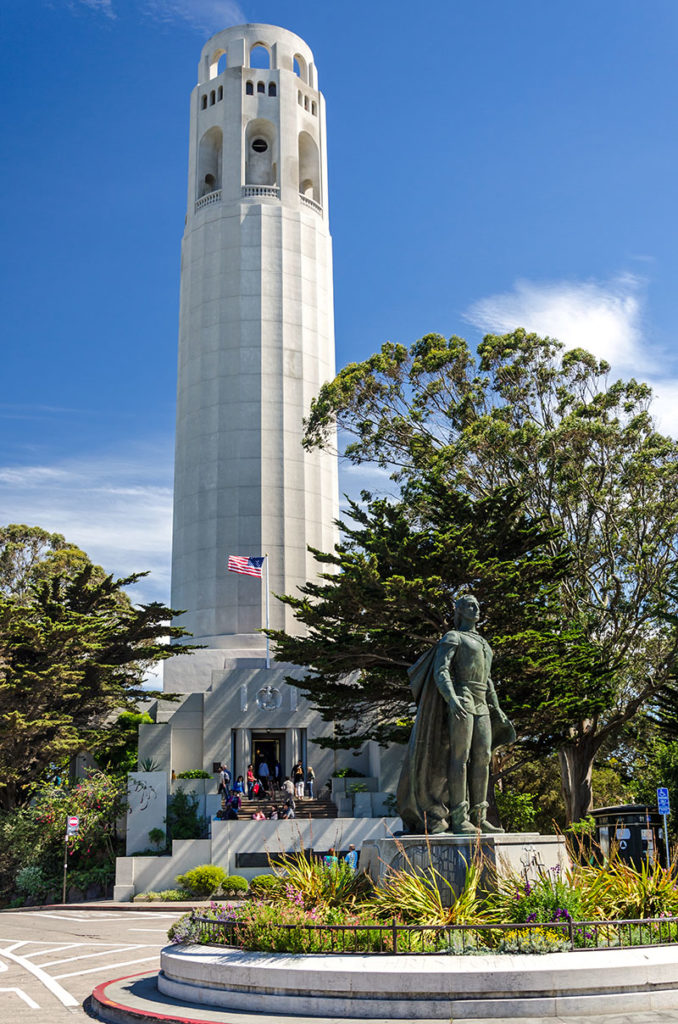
pixel 249 564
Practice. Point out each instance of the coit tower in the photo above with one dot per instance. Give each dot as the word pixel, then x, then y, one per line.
pixel 256 342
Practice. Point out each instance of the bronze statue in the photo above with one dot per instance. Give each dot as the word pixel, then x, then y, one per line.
pixel 444 780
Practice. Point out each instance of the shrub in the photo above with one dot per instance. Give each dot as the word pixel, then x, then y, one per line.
pixel 165 895
pixel 203 881
pixel 537 940
pixel 517 811
pixel 619 890
pixel 183 819
pixel 552 897
pixel 30 881
pixel 156 836
pixel 265 887
pixel 308 883
pixel 234 885
pixel 195 773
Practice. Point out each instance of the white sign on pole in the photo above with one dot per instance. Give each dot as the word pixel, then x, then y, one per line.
pixel 72 826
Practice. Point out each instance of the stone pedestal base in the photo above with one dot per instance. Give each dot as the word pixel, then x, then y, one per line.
pixel 524 853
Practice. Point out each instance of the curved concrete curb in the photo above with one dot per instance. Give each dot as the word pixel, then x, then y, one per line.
pixel 423 987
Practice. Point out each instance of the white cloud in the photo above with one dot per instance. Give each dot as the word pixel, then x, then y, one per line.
pixel 117 507
pixel 603 318
pixel 204 15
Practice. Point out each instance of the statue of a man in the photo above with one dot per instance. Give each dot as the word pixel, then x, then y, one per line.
pixel 444 781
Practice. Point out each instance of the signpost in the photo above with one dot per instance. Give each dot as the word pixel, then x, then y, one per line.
pixel 664 809
pixel 72 826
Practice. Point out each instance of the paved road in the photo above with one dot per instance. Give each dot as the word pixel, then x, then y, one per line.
pixel 51 960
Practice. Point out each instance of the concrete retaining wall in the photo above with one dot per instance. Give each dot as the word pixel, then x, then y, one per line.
pixel 424 987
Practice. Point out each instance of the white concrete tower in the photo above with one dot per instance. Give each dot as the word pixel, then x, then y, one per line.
pixel 256 342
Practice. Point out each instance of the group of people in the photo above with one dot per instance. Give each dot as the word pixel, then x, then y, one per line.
pixel 264 783
pixel 331 860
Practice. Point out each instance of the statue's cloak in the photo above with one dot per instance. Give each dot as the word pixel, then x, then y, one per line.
pixel 423 791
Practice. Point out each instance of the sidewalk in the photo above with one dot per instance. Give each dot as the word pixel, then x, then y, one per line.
pixel 136 1000
pixel 108 905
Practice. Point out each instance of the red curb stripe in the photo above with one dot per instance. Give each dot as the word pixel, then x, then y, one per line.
pixel 98 994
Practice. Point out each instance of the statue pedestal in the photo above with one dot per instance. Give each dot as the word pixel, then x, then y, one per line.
pixel 513 853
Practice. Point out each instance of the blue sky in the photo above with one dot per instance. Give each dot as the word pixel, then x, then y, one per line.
pixel 492 164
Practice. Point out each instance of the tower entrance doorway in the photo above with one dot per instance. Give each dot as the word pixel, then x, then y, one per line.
pixel 269 747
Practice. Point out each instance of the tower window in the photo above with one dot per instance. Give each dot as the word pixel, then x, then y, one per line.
pixel 260 57
pixel 204 102
pixel 272 89
pixel 260 145
pixel 220 94
pixel 305 102
pixel 299 67
pixel 314 109
pixel 249 88
pixel 299 97
pixel 213 97
pixel 261 87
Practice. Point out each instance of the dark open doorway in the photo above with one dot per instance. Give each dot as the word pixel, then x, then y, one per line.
pixel 269 747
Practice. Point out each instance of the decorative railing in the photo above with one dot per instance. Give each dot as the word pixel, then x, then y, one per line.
pixel 394 937
pixel 255 191
pixel 211 197
pixel 311 203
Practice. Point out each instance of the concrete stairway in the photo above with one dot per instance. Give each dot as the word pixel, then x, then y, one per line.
pixel 306 808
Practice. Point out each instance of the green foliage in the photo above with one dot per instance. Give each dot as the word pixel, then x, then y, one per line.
pixel 517 811
pixel 348 773
pixel 157 837
pixel 183 818
pixel 309 883
pixel 30 881
pixel 419 896
pixel 164 896
pixel 623 891
pixel 203 881
pixel 195 773
pixel 34 835
pixel 148 764
pixel 541 940
pixel 73 651
pixel 550 898
pixel 116 748
pixel 234 885
pixel 264 887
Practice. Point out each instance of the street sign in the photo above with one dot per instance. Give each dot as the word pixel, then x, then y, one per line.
pixel 72 826
pixel 663 800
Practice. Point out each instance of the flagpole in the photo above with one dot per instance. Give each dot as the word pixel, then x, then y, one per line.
pixel 268 641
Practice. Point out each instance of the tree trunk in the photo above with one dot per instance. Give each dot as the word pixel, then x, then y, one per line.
pixel 576 767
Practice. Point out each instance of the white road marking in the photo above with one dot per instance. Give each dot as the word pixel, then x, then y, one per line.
pixel 107 967
pixel 22 995
pixel 156 931
pixel 50 983
pixel 23 942
pixel 58 949
pixel 86 956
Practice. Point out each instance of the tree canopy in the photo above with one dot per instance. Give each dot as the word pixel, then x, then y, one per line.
pixel 582 454
pixel 73 652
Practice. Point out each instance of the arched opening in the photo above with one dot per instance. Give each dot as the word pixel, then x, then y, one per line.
pixel 305 102
pixel 217 63
pixel 209 162
pixel 204 102
pixel 261 87
pixel 299 101
pixel 314 108
pixel 309 167
pixel 249 88
pixel 220 94
pixel 272 91
pixel 260 57
pixel 213 97
pixel 260 166
pixel 299 67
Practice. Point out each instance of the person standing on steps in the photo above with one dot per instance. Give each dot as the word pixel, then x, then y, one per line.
pixel 298 780
pixel 310 781
pixel 445 776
